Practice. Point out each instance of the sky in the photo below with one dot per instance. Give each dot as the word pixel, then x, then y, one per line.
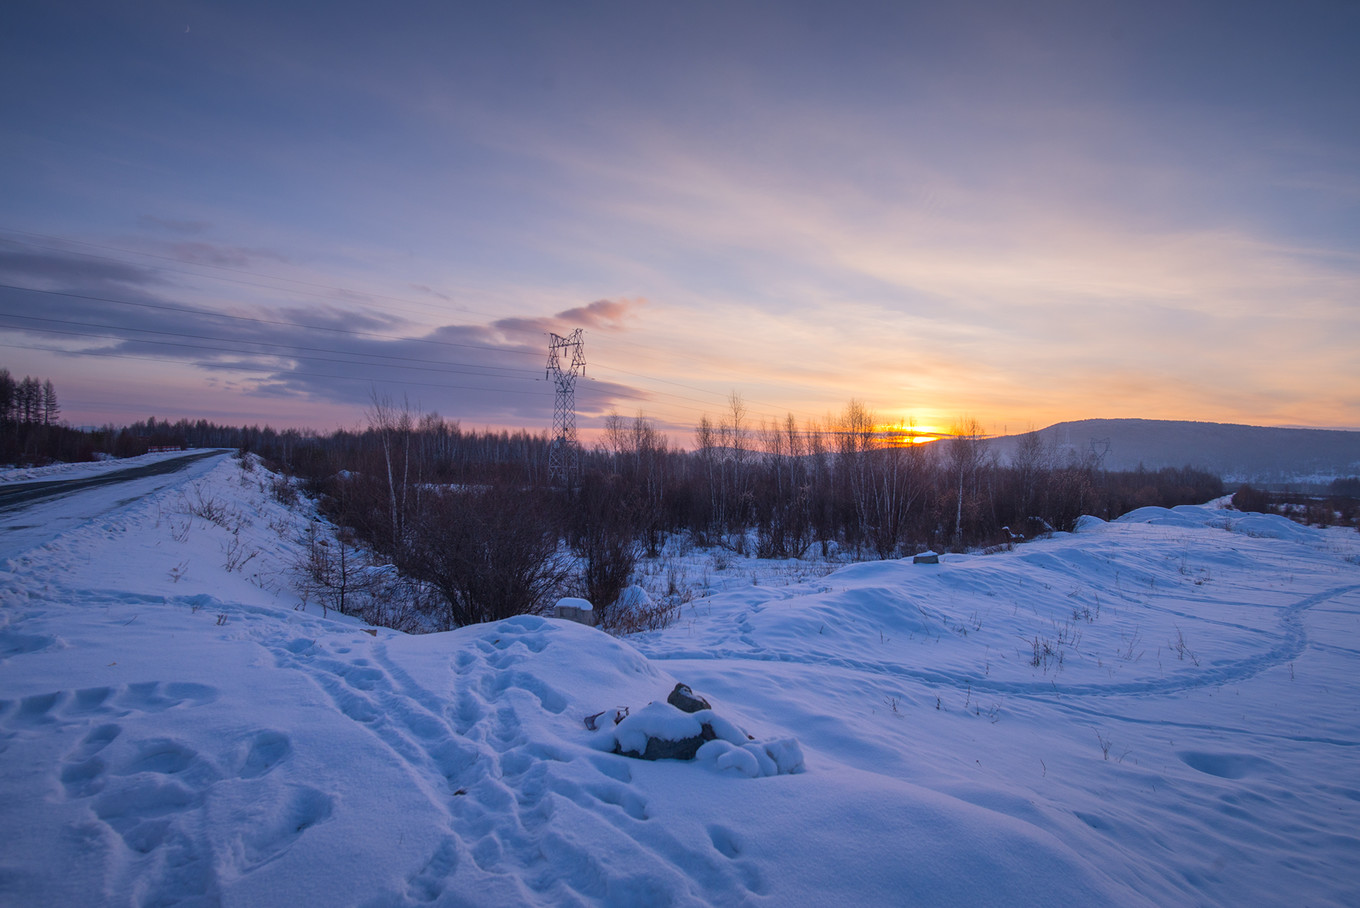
pixel 257 212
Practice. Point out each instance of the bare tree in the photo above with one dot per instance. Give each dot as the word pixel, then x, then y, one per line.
pixel 965 460
pixel 394 432
pixel 606 517
pixel 491 553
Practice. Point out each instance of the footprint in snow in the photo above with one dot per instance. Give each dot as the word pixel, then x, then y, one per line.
pixel 267 749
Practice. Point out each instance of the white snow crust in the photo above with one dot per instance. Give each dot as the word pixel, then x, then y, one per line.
pixel 575 602
pixel 1159 710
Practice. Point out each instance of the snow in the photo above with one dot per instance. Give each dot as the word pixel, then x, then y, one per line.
pixel 18 475
pixel 576 603
pixel 1162 709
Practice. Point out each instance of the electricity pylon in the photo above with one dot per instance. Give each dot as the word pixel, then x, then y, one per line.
pixel 564 460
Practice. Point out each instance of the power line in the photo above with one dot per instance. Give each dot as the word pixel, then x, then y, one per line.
pixel 743 398
pixel 265 321
pixel 161 359
pixel 289 347
pixel 236 352
pixel 652 393
pixel 331 289
pixel 625 392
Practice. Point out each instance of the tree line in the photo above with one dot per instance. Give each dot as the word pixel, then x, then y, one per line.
pixel 29 427
pixel 28 401
pixel 476 516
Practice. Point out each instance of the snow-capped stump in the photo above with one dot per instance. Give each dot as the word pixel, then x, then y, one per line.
pixel 667 731
pixel 571 608
pixel 684 699
pixel 926 558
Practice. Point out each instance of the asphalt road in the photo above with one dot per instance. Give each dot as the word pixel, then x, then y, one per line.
pixel 33 513
pixel 12 497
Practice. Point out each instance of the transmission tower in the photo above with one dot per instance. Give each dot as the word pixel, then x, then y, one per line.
pixel 564 459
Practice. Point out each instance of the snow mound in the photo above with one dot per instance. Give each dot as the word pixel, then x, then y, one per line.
pixel 1179 516
pixel 632 600
pixel 1273 526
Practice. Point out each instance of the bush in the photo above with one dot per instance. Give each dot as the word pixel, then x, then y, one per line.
pixel 605 525
pixel 1249 499
pixel 491 553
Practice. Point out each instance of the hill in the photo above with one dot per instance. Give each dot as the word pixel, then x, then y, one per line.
pixel 1237 453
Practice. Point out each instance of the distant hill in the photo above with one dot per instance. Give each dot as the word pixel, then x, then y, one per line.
pixel 1237 453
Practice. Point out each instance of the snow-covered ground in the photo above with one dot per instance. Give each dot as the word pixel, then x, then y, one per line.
pixel 1161 710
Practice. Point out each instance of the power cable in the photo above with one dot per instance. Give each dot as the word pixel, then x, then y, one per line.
pixel 287 347
pixel 160 359
pixel 349 332
pixel 265 321
pixel 326 287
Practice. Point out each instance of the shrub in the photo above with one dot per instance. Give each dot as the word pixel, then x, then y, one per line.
pixel 491 552
pixel 1249 499
pixel 605 523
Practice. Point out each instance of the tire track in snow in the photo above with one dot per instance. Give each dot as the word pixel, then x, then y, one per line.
pixel 1293 641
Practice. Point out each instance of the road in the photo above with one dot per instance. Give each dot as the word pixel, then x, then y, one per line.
pixel 34 513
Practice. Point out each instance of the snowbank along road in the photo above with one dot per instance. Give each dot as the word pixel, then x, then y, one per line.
pixel 28 516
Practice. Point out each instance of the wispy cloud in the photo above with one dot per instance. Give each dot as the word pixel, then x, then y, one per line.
pixel 1055 259
pixel 491 372
pixel 174 225
pixel 69 271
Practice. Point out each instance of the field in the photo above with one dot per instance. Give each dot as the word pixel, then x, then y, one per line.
pixel 1160 710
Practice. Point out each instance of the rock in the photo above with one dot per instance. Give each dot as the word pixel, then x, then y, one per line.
pixel 926 558
pixel 683 749
pixel 572 609
pixel 660 731
pixel 669 731
pixel 685 700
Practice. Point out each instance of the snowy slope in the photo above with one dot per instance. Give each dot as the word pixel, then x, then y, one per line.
pixel 176 732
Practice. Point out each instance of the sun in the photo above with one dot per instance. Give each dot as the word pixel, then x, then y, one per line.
pixel 907 434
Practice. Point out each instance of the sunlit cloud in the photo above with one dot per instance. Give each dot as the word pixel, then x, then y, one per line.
pixel 1015 216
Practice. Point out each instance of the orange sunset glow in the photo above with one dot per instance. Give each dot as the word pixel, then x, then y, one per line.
pixel 915 209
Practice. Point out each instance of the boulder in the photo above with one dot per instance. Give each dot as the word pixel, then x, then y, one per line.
pixel 572 609
pixel 685 700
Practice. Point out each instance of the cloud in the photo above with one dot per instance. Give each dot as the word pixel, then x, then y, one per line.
pixel 200 253
pixel 186 227
pixel 90 273
pixel 1040 263
pixel 431 292
pixel 483 373
pixel 603 315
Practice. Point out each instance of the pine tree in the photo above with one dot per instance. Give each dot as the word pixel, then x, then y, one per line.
pixel 8 390
pixel 50 408
pixel 29 400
